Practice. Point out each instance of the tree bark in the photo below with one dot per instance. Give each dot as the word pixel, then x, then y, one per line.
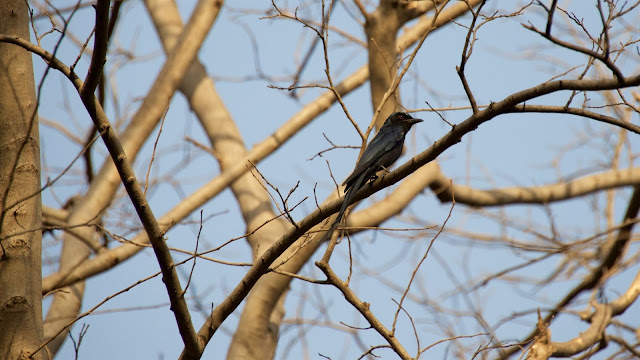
pixel 21 217
pixel 381 28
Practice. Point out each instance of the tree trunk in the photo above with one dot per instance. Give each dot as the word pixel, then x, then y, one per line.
pixel 21 216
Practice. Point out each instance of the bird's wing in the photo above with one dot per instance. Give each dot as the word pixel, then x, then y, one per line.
pixel 382 143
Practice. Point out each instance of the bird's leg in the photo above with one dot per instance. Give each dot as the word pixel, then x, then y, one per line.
pixel 384 171
pixel 375 176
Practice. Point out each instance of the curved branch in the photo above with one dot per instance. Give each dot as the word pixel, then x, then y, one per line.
pixel 534 195
pixel 576 111
pixel 625 300
pixel 45 55
pixel 599 319
pixel 587 338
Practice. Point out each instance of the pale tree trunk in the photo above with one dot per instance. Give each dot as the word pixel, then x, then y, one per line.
pixel 381 28
pixel 21 216
pixel 258 329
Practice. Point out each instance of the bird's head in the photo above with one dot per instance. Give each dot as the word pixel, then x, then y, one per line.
pixel 404 119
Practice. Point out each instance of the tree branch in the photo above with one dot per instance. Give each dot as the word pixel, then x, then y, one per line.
pixel 534 195
pixel 364 310
pixel 100 46
pixel 604 58
pixel 597 274
pixel 576 111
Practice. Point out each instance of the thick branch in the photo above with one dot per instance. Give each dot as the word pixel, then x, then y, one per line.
pixel 587 338
pixel 534 195
pixel 599 320
pixel 621 304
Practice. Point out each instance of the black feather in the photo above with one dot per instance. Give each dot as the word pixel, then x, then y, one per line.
pixel 381 152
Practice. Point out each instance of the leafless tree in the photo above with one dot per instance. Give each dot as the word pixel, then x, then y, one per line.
pixel 462 265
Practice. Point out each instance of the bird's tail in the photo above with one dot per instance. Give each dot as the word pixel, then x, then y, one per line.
pixel 348 197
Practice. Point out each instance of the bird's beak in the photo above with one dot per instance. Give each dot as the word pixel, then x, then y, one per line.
pixel 414 121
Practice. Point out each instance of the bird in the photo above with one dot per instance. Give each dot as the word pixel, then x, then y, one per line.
pixel 382 152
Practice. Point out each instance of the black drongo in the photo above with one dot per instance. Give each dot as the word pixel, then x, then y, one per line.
pixel 382 151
